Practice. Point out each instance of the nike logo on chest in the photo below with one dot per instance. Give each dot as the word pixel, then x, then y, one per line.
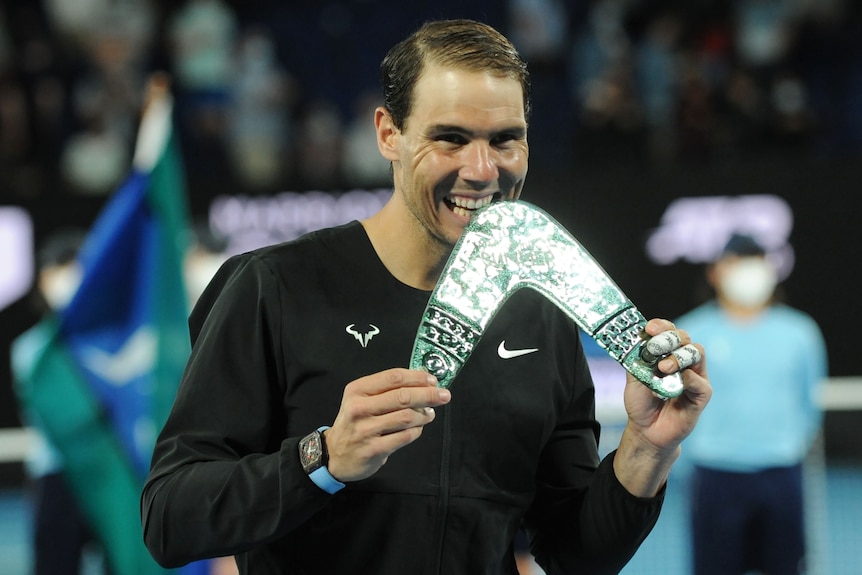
pixel 510 353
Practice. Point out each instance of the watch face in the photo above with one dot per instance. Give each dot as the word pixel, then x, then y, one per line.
pixel 310 451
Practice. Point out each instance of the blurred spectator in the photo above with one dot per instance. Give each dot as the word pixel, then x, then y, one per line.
pixel 62 540
pixel 111 42
pixel 762 32
pixel 604 89
pixel 363 166
pixel 260 114
pixel 540 31
pixel 657 75
pixel 697 128
pixel 202 37
pixel 30 101
pixel 319 154
pixel 95 160
pixel 767 362
pixel 15 136
pixel 621 80
pixel 539 28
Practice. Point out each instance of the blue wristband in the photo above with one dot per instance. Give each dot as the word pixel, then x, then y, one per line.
pixel 322 477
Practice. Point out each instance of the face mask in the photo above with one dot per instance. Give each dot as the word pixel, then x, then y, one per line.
pixel 749 282
pixel 60 284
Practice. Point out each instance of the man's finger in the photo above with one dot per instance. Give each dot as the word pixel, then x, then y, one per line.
pixel 397 421
pixel 410 397
pixel 393 379
pixel 663 343
pixel 687 356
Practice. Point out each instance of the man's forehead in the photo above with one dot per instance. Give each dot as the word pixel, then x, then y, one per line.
pixel 451 90
pixel 434 70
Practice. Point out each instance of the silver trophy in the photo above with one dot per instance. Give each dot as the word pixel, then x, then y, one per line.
pixel 512 245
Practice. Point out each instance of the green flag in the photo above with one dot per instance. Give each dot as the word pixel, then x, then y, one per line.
pixel 109 365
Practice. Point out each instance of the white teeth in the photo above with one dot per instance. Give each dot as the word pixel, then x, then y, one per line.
pixel 470 203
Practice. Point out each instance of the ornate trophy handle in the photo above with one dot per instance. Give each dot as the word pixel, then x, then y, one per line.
pixel 512 245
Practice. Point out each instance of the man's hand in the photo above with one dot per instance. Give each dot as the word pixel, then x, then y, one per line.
pixel 380 414
pixel 656 428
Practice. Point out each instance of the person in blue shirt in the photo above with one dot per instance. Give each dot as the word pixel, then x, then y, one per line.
pixel 62 537
pixel 767 361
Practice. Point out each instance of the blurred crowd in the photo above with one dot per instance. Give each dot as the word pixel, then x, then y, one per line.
pixel 278 95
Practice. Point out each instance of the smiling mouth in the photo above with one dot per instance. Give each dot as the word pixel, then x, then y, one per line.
pixel 463 206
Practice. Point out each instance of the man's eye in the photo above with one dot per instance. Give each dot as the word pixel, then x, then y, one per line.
pixel 452 138
pixel 503 139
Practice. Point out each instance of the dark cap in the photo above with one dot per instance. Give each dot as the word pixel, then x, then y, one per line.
pixel 60 247
pixel 742 245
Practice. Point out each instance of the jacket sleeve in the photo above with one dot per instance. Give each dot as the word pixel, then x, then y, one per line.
pixel 596 531
pixel 219 483
pixel 582 519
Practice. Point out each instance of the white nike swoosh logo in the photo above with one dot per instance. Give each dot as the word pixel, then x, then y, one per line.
pixel 510 353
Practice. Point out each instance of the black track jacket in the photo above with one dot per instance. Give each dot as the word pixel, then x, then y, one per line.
pixel 276 337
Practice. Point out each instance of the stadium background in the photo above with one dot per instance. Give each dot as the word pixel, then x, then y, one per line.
pixel 636 104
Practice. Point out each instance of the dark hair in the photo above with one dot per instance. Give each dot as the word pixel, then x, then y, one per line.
pixel 60 247
pixel 464 44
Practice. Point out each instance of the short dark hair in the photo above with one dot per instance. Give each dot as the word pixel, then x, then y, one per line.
pixel 464 44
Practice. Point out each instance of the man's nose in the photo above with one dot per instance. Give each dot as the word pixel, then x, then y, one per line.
pixel 480 163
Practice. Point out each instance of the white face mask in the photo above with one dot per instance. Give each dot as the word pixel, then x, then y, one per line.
pixel 749 282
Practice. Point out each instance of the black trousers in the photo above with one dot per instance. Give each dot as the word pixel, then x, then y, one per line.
pixel 61 532
pixel 748 521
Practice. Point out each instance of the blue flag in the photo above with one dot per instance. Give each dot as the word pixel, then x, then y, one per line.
pixel 126 326
pixel 112 360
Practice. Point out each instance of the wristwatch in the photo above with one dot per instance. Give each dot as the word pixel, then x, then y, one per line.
pixel 314 459
pixel 312 451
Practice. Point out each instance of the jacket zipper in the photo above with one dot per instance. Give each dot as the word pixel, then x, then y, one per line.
pixel 443 501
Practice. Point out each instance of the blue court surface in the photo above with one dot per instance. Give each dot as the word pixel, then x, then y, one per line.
pixel 834 519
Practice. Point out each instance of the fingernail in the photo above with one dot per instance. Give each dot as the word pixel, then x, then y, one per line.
pixel 445 394
pixel 431 379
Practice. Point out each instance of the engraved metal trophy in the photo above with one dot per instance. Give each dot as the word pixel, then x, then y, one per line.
pixel 512 245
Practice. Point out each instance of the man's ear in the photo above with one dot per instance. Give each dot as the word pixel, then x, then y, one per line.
pixel 388 134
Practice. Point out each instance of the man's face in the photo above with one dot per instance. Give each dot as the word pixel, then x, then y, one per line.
pixel 463 146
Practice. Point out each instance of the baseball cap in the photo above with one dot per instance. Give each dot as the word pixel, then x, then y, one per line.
pixel 742 245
